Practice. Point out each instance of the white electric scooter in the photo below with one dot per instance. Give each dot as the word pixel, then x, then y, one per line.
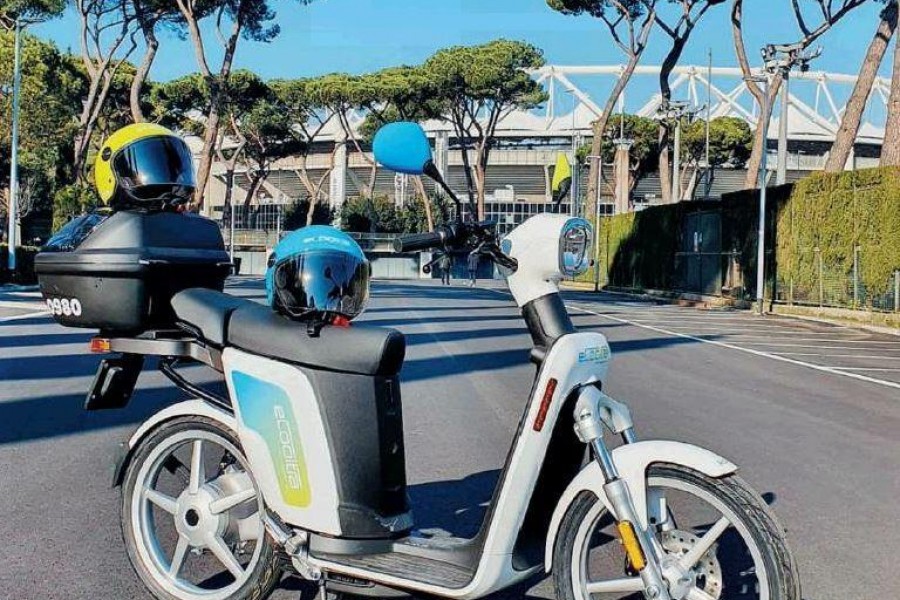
pixel 302 465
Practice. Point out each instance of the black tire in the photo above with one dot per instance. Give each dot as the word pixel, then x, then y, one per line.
pixel 268 570
pixel 767 533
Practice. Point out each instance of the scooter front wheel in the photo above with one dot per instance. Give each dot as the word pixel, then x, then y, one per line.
pixel 191 516
pixel 717 538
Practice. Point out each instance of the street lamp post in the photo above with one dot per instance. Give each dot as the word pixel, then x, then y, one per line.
pixel 763 181
pixel 675 111
pixel 599 160
pixel 573 207
pixel 14 153
pixel 782 58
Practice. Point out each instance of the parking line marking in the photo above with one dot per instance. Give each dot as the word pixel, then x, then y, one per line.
pixel 736 330
pixel 819 346
pixel 777 357
pixel 879 344
pixel 867 369
pixel 866 356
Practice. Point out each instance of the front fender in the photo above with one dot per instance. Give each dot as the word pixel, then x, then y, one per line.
pixel 188 408
pixel 632 461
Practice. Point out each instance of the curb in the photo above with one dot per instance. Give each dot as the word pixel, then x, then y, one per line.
pixel 844 323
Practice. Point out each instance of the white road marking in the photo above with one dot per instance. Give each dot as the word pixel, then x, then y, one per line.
pixel 777 357
pixel 41 313
pixel 867 356
pixel 866 369
pixel 876 344
pixel 21 305
pixel 819 346
pixel 735 330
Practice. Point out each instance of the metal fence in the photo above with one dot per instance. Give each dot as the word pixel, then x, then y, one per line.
pixel 820 281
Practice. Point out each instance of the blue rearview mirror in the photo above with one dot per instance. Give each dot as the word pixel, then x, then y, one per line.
pixel 402 147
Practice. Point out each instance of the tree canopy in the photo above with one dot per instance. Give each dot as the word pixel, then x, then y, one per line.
pixel 477 86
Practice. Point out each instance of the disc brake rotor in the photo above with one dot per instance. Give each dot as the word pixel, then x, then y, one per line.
pixel 707 571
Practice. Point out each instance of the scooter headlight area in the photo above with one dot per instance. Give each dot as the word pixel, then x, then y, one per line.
pixel 308 446
pixel 575 245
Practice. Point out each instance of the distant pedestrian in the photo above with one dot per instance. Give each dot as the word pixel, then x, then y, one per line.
pixel 473 267
pixel 444 264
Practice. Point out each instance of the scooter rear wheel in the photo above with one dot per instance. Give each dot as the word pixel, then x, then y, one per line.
pixel 739 547
pixel 190 516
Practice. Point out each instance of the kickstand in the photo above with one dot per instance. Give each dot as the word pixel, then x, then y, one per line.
pixel 325 594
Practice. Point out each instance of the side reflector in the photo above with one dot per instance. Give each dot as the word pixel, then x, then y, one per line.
pixel 632 547
pixel 99 345
pixel 545 405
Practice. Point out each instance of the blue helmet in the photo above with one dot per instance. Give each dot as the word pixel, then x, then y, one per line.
pixel 317 272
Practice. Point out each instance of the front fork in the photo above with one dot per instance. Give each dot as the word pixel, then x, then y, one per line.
pixel 594 411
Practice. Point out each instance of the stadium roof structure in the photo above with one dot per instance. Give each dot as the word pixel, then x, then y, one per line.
pixel 816 102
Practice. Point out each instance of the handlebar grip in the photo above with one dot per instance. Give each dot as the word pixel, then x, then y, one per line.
pixel 422 241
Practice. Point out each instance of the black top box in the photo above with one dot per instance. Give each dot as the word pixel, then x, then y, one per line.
pixel 118 272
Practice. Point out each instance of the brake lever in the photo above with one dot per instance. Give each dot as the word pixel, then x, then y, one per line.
pixel 493 251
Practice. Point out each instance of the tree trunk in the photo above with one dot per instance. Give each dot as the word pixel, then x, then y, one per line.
pixel 140 76
pixel 890 150
pixel 255 182
pixel 206 155
pixel 426 202
pixel 754 163
pixel 856 105
pixel 229 192
pixel 665 168
pixel 599 129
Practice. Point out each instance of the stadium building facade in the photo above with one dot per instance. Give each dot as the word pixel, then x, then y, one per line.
pixel 521 162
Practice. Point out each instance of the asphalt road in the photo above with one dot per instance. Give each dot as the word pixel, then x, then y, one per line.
pixel 810 412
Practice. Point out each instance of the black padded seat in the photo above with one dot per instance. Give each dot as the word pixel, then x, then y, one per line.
pixel 357 349
pixel 206 312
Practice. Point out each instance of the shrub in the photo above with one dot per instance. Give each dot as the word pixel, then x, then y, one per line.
pixel 295 215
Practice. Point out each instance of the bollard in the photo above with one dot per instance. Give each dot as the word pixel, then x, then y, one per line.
pixel 821 281
pixel 897 290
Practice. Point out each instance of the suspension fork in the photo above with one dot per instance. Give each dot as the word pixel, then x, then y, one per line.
pixel 594 410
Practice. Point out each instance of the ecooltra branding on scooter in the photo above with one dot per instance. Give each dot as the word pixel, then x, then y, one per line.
pixel 305 456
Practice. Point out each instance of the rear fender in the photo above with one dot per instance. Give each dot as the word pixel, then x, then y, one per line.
pixel 188 408
pixel 632 461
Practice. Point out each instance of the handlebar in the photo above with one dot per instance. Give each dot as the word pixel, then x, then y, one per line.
pixel 441 236
pixel 479 236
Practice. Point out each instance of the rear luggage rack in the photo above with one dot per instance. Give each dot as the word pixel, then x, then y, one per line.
pixel 116 377
pixel 163 343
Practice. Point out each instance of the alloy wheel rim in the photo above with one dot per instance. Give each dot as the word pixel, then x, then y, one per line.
pixel 203 516
pixel 579 569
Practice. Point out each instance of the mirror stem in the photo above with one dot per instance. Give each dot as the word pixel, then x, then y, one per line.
pixel 432 171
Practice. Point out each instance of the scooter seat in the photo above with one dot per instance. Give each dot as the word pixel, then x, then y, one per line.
pixel 205 313
pixel 357 349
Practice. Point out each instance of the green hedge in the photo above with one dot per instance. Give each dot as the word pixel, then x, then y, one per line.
pixel 828 216
pixel 24 265
pixel 820 219
pixel 637 250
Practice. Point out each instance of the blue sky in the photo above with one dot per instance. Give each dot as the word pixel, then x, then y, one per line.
pixel 363 35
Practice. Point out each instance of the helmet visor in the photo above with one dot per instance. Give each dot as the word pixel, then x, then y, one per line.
pixel 322 282
pixel 153 167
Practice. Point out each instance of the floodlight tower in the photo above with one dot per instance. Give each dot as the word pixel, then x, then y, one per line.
pixel 783 58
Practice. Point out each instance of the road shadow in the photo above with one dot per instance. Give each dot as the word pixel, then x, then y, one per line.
pixel 46 339
pixel 456 506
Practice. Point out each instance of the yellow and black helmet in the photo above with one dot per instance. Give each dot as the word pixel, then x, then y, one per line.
pixel 144 165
